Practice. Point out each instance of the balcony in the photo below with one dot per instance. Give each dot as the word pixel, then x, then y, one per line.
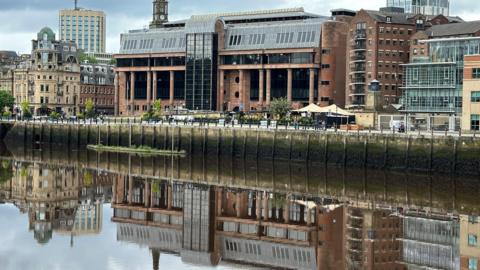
pixel 358 68
pixel 31 92
pixel 358 58
pixel 60 93
pixel 360 34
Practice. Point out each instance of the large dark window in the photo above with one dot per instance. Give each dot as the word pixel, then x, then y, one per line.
pixel 124 62
pixel 179 91
pixel 140 85
pixel 247 59
pixel 279 83
pixel 475 122
pixel 169 61
pixel 254 84
pixel 140 62
pixel 163 85
pixel 200 88
pixel 301 85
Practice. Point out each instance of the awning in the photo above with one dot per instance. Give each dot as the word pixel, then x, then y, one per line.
pixel 332 109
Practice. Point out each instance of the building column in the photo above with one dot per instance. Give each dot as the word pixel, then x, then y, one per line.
pixel 172 87
pixel 286 211
pixel 258 205
pixel 132 92
pixel 146 194
pixel 117 88
pixel 269 87
pixel 149 90
pixel 169 197
pixel 265 206
pixel 308 212
pixel 155 80
pixel 311 87
pixel 238 204
pixel 241 89
pixel 289 84
pixel 130 189
pixel 219 201
pixel 261 82
pixel 221 90
pixel 114 190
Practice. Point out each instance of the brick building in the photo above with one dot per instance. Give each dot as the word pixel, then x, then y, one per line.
pixel 233 61
pixel 378 45
pixel 97 84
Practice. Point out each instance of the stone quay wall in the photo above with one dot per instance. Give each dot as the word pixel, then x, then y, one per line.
pixel 458 155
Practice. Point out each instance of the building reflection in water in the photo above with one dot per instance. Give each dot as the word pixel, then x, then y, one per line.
pixel 295 216
pixel 67 201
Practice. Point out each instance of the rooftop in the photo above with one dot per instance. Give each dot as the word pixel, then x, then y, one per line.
pixel 454 29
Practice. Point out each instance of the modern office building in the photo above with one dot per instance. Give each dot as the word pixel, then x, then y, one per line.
pixel 430 242
pixel 50 80
pixel 87 28
pixel 426 7
pixel 433 85
pixel 471 93
pixel 233 61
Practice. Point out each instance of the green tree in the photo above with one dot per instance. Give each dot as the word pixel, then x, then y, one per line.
pixel 113 62
pixel 89 112
pixel 54 115
pixel 280 108
pixel 154 113
pixel 25 107
pixel 6 101
pixel 83 57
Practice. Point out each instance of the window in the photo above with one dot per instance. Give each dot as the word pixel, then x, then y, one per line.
pixel 476 73
pixel 475 96
pixel 475 125
pixel 472 264
pixel 325 83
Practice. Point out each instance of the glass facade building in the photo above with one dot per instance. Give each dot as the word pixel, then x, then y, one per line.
pixel 200 90
pixel 426 7
pixel 436 85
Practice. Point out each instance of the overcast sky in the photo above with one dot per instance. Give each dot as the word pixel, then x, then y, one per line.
pixel 21 19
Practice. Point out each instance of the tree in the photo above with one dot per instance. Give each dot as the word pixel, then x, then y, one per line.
pixel 280 108
pixel 154 113
pixel 89 112
pixel 83 57
pixel 6 101
pixel 55 115
pixel 25 107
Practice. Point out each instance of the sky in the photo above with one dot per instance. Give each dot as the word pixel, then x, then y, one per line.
pixel 22 19
pixel 20 251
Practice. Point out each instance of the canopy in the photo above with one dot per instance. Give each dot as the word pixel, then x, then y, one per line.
pixel 312 108
pixel 334 109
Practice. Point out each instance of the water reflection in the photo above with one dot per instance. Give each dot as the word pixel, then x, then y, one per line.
pixel 210 211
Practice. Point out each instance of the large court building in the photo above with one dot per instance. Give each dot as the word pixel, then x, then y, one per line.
pixel 233 61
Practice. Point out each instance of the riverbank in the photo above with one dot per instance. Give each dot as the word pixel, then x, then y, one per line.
pixel 447 154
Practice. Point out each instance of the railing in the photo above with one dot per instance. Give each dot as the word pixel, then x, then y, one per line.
pixel 214 123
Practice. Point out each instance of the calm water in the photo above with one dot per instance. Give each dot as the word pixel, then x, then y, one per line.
pixel 84 210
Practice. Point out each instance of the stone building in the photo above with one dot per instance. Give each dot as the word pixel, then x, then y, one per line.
pixel 471 94
pixel 97 84
pixel 233 61
pixel 8 60
pixel 50 80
